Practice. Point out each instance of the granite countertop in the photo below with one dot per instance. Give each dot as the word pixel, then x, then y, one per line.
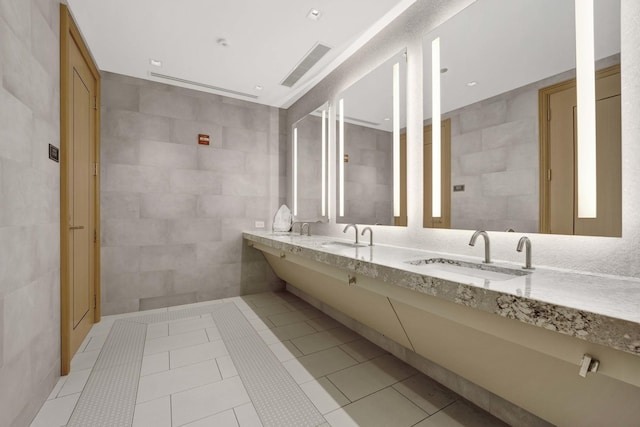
pixel 600 309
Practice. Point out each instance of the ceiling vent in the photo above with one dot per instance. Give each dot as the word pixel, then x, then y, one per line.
pixel 364 122
pixel 311 59
pixel 203 85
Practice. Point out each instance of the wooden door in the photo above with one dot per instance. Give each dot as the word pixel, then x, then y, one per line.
pixel 445 220
pixel 559 204
pixel 79 190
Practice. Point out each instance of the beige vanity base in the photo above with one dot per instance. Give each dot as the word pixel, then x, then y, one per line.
pixel 517 365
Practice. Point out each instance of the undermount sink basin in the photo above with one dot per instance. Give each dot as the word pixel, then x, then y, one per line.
pixel 469 270
pixel 343 245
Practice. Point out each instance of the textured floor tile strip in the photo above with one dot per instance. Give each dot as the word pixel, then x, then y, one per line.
pixel 169 316
pixel 277 398
pixel 109 397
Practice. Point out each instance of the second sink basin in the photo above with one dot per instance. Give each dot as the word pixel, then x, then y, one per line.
pixel 469 270
pixel 338 245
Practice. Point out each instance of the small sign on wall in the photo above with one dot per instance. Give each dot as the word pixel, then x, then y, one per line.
pixel 203 139
pixel 54 153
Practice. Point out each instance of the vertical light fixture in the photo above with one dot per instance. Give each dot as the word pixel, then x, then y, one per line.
pixel 341 153
pixel 396 139
pixel 436 149
pixel 324 162
pixel 295 171
pixel 586 86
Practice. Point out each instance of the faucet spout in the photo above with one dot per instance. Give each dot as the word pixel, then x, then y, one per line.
pixel 355 227
pixel 305 224
pixel 370 234
pixel 524 241
pixel 487 244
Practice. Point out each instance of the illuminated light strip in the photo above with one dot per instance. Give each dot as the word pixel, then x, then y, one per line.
pixel 295 171
pixel 396 139
pixel 586 86
pixel 324 162
pixel 436 149
pixel 341 154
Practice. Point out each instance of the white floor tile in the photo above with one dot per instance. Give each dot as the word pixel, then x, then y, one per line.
pixel 322 340
pixel 201 402
pixel 213 334
pixel 223 419
pixel 286 333
pixel 260 324
pixel 176 328
pixel 369 377
pixel 285 351
pixel 324 395
pixel 197 353
pixel 155 413
pixel 307 368
pixel 362 350
pixel 175 380
pixel 57 388
pixel 157 330
pixel 56 412
pixel 426 393
pixel 175 342
pixel 195 304
pixel 155 363
pixel 96 342
pixel 382 409
pixel 84 360
pixel 75 382
pixel 324 323
pixel 247 416
pixel 461 414
pixel 226 366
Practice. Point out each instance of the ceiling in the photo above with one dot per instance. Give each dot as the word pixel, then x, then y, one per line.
pixel 266 40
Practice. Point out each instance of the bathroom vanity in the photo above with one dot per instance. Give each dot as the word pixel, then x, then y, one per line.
pixel 562 345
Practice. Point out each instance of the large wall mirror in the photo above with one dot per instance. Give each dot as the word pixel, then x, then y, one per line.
pixel 509 151
pixel 371 144
pixel 310 165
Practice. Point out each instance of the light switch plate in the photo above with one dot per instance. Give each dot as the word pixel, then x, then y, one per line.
pixel 259 224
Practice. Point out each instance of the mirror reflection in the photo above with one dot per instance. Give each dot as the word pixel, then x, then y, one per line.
pixel 371 141
pixel 509 118
pixel 310 149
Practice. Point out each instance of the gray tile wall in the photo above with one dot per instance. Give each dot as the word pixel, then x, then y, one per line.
pixel 173 211
pixel 368 185
pixel 29 207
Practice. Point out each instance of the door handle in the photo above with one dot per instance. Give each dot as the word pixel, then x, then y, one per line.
pixel 79 227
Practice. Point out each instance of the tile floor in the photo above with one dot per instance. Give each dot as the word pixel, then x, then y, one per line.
pixel 189 376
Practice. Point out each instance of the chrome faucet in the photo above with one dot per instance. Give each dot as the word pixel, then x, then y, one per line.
pixel 355 227
pixel 487 246
pixel 524 241
pixel 308 228
pixel 370 235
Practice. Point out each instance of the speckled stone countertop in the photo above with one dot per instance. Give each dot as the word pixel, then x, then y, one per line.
pixel 600 309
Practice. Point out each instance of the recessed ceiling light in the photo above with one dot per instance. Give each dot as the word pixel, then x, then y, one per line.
pixel 258 87
pixel 386 119
pixel 473 83
pixel 222 42
pixel 155 63
pixel 443 70
pixel 314 14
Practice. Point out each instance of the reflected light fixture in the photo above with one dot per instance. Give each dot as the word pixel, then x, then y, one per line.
pixel 436 162
pixel 295 171
pixel 586 88
pixel 396 139
pixel 324 162
pixel 341 153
